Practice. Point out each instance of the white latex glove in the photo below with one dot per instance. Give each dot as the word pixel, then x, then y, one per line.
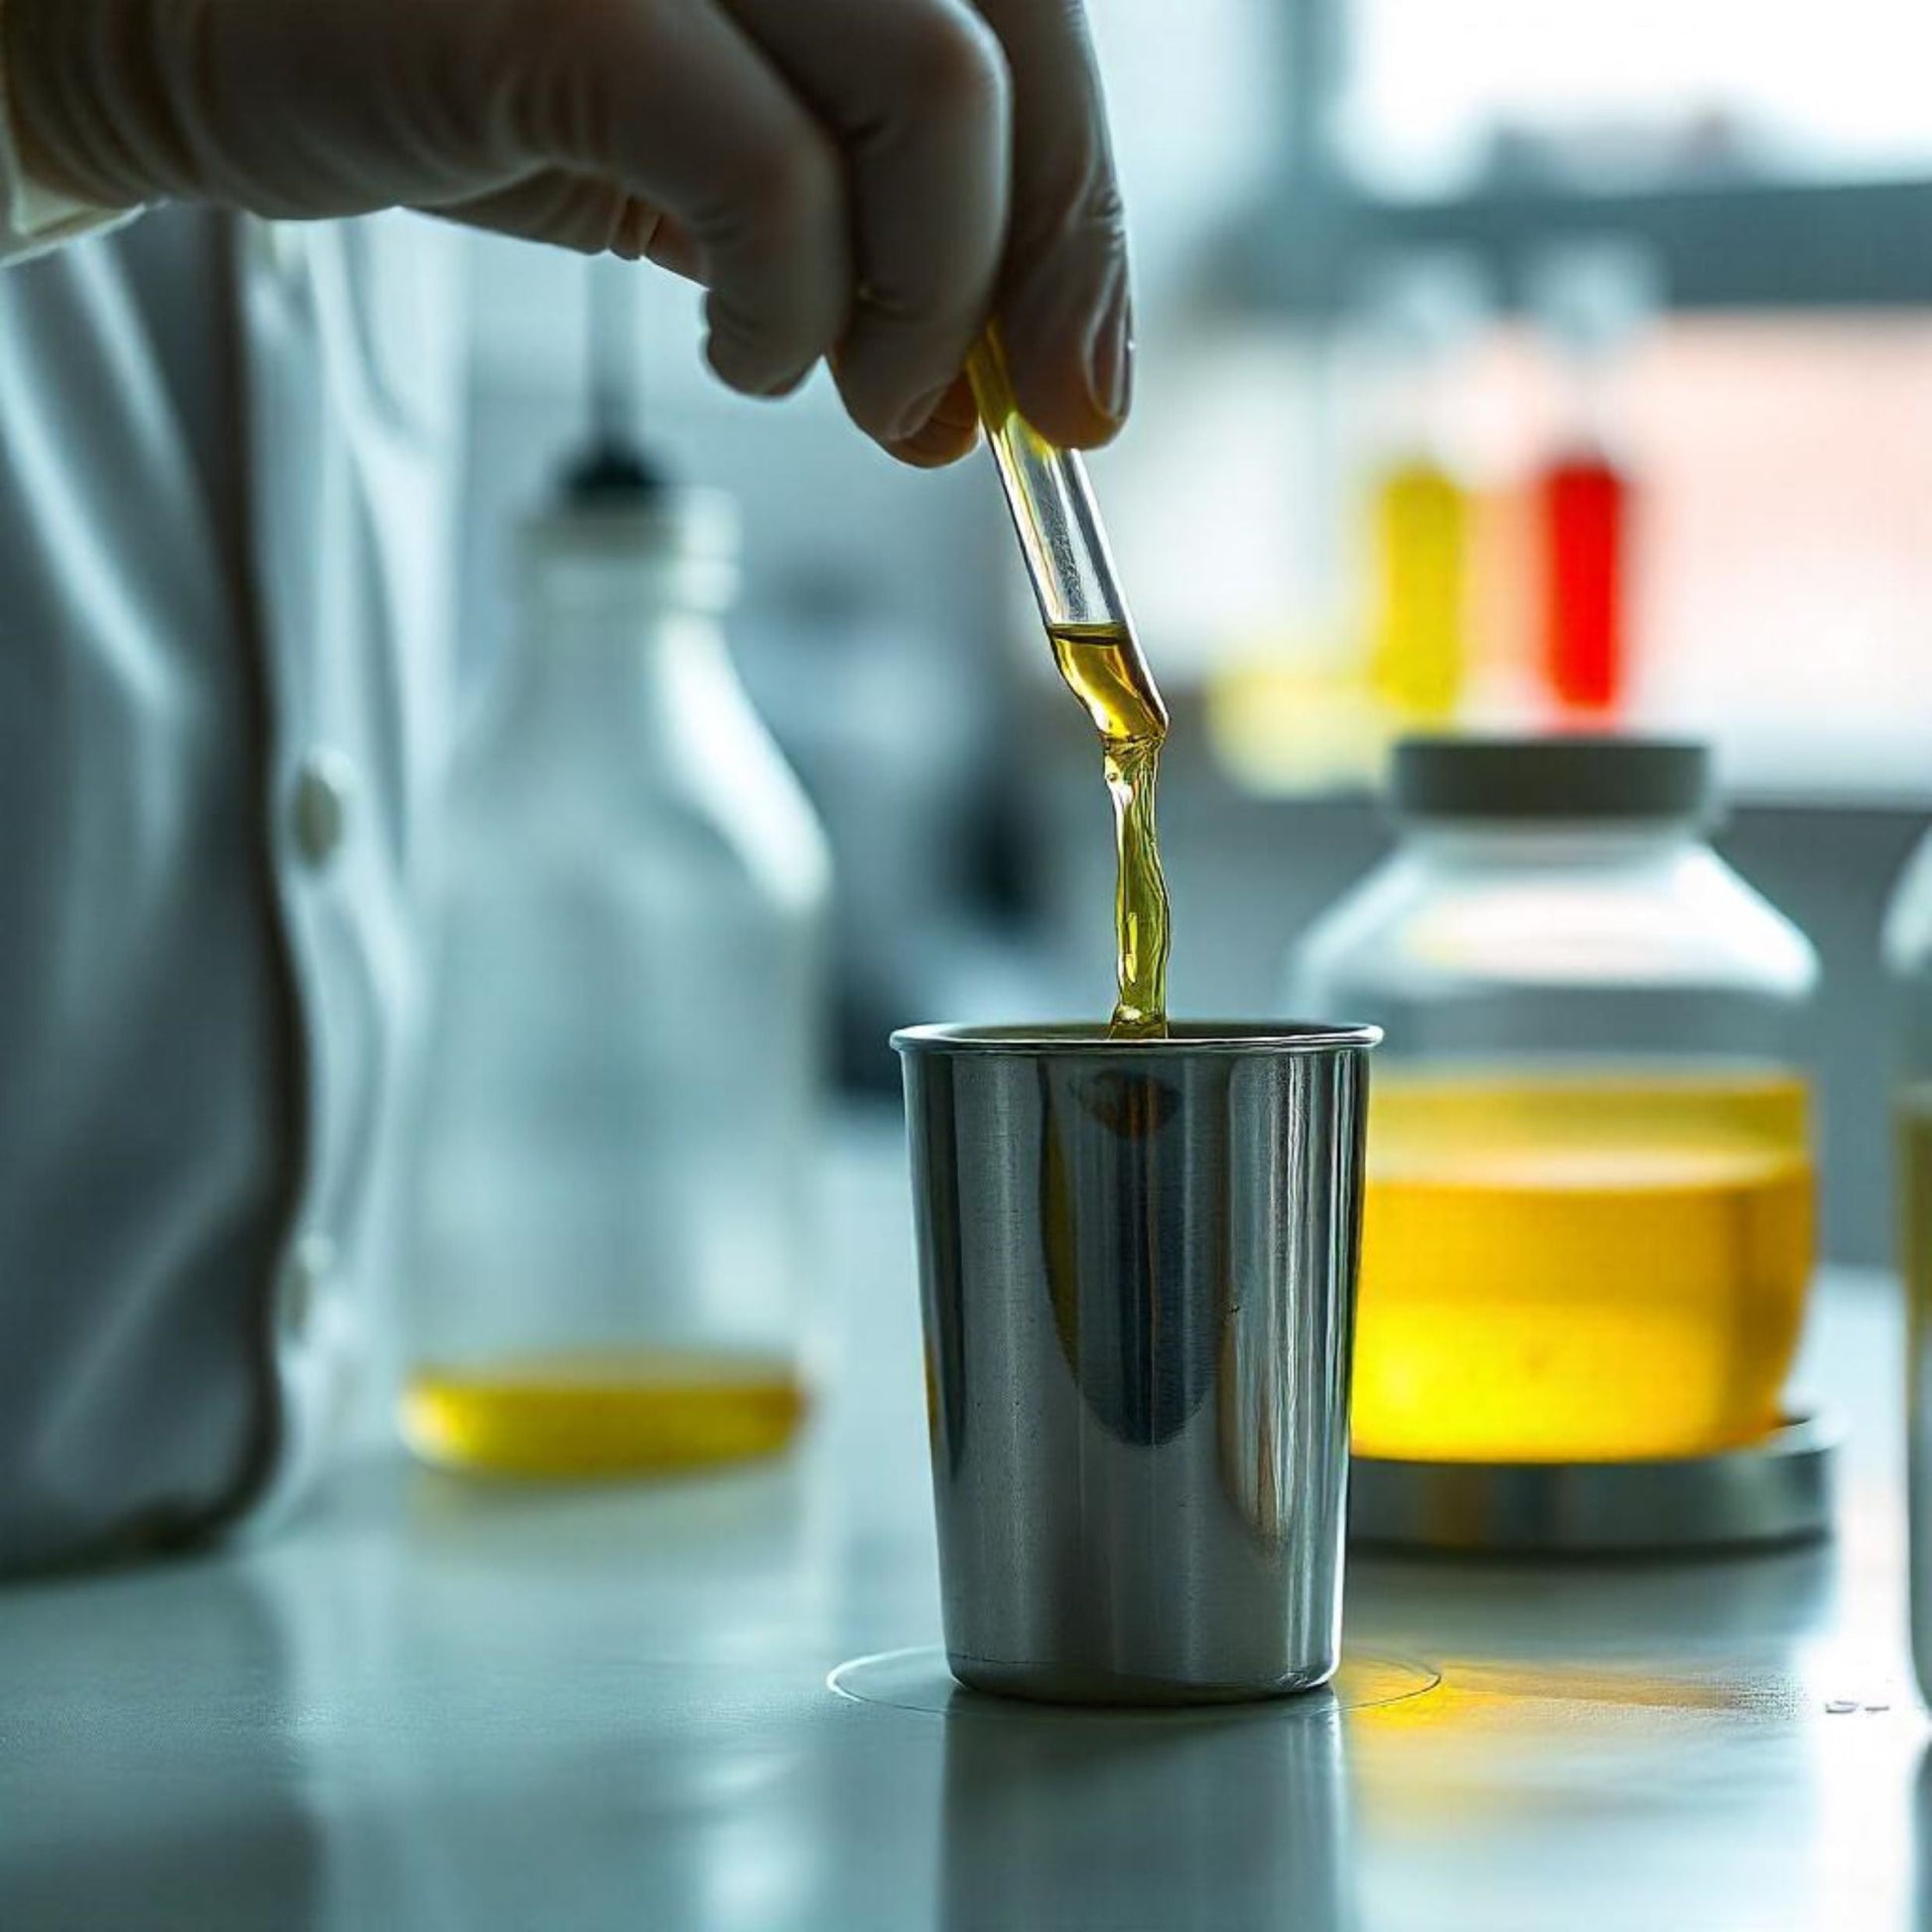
pixel 854 179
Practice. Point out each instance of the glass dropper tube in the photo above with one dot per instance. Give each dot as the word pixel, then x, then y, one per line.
pixel 1060 534
pixel 1073 573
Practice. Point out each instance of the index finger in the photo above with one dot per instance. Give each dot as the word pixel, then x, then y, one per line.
pixel 680 108
pixel 915 91
pixel 1063 300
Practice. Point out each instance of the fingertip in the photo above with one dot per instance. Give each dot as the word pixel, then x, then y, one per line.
pixel 936 446
pixel 743 359
pixel 1067 315
pixel 1110 355
pixel 1049 383
pixel 909 423
pixel 883 416
pixel 1072 360
pixel 749 379
pixel 944 433
pixel 731 359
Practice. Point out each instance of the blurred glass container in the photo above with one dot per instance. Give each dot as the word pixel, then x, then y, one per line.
pixel 1908 951
pixel 624 1086
pixel 1588 1225
pixel 1420 315
pixel 1592 301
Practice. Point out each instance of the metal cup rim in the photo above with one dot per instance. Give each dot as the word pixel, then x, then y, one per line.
pixel 1189 1038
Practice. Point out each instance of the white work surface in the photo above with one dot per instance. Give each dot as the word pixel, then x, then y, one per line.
pixel 442 1705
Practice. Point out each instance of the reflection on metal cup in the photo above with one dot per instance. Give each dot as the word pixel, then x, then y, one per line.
pixel 1138 1266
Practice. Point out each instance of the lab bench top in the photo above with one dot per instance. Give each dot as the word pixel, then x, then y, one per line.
pixel 432 1702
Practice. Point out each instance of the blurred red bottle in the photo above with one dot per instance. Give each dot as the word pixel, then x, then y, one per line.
pixel 1592 301
pixel 1583 504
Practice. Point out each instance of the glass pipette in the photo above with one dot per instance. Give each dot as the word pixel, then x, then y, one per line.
pixel 1094 646
pixel 1061 536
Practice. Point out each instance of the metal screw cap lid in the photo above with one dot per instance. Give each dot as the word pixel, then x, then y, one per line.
pixel 1625 778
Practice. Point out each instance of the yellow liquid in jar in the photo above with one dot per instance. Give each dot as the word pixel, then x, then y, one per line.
pixel 1421 552
pixel 626 1413
pixel 1579 1268
pixel 1104 669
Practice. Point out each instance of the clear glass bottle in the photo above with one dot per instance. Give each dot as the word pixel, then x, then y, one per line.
pixel 1908 952
pixel 623 1086
pixel 1589 1220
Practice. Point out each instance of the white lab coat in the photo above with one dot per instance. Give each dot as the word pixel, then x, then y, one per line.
pixel 228 465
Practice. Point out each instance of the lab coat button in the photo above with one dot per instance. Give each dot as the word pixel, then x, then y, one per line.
pixel 322 794
pixel 305 1280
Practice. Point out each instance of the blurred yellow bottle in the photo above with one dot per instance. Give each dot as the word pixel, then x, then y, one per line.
pixel 1419 658
pixel 1562 1268
pixel 601 1415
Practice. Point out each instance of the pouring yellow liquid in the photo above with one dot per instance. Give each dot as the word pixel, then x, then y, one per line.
pixel 1059 527
pixel 1106 672
pixel 1559 1267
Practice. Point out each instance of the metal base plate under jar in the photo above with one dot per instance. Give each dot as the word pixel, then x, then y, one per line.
pixel 1775 1491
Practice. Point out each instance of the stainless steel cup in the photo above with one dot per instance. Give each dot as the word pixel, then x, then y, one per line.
pixel 1137 1261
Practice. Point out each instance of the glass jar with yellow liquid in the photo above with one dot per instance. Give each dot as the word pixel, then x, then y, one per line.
pixel 1589 1223
pixel 623 1089
pixel 1908 951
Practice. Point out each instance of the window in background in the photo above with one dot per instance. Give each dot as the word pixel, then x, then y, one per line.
pixel 1441 98
pixel 1704 504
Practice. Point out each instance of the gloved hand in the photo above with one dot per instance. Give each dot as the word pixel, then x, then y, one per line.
pixel 853 179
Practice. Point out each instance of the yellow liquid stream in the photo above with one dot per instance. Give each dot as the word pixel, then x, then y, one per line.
pixel 1104 669
pixel 626 1412
pixel 1570 1267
